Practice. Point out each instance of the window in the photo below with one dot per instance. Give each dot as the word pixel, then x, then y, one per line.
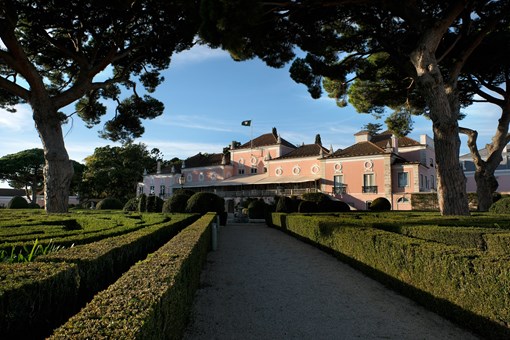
pixel 338 184
pixel 241 171
pixel 161 190
pixel 369 184
pixel 403 179
pixel 151 191
pixel 432 182
pixel 426 182
pixel 421 180
pixel 253 170
pixel 403 200
pixel 431 162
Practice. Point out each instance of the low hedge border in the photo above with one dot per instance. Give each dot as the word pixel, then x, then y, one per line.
pixel 36 297
pixel 153 299
pixel 465 285
pixel 109 258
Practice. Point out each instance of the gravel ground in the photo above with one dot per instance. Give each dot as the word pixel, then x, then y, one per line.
pixel 263 284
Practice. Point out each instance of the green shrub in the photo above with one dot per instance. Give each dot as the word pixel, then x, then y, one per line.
pixel 33 205
pixel 142 203
pixel 176 203
pixel 131 205
pixel 284 204
pixel 333 206
pixel 17 202
pixel 380 204
pixel 154 204
pixel 316 197
pixel 109 203
pixel 203 202
pixel 501 206
pixel 307 207
pixel 256 209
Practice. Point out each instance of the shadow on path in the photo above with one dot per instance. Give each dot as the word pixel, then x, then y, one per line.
pixel 263 284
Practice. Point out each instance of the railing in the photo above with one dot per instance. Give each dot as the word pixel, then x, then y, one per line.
pixel 369 189
pixel 265 193
pixel 340 189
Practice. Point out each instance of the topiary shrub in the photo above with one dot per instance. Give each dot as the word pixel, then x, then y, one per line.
pixel 380 204
pixel 33 205
pixel 256 209
pixel 502 206
pixel 269 210
pixel 176 203
pixel 142 203
pixel 307 207
pixel 316 197
pixel 203 202
pixel 284 205
pixel 109 203
pixel 17 202
pixel 131 205
pixel 334 206
pixel 154 204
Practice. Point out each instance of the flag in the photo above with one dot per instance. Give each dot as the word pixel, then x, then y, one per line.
pixel 246 123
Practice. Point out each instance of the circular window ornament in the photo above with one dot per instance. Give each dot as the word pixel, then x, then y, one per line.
pixel 189 178
pixel 278 171
pixel 214 176
pixel 296 170
pixel 241 161
pixel 201 177
pixel 338 167
pixel 315 169
pixel 369 165
pixel 253 160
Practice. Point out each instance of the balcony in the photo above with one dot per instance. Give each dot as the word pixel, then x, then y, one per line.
pixel 372 189
pixel 340 189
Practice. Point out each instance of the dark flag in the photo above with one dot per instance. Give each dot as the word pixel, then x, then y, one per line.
pixel 246 123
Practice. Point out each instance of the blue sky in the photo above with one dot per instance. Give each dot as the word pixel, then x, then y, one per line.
pixel 207 95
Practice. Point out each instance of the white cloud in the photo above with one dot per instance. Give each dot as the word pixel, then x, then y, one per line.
pixel 198 54
pixel 21 120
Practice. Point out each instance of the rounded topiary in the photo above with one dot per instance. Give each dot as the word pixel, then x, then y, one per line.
pixel 502 206
pixel 203 202
pixel 284 205
pixel 154 204
pixel 176 203
pixel 33 205
pixel 380 204
pixel 335 206
pixel 142 203
pixel 109 203
pixel 131 205
pixel 256 209
pixel 316 197
pixel 17 202
pixel 307 207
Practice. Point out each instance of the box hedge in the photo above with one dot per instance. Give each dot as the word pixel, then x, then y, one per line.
pixel 153 299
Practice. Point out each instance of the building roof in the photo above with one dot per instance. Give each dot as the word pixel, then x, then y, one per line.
pixel 201 160
pixel 384 138
pixel 308 150
pixel 360 149
pixel 265 140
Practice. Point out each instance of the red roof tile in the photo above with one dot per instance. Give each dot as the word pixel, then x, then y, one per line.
pixel 308 150
pixel 200 160
pixel 265 140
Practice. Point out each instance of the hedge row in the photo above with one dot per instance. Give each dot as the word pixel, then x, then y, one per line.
pixel 98 264
pixel 153 299
pixel 466 285
pixel 109 258
pixel 34 297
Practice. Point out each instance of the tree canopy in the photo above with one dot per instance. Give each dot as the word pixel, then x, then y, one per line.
pixel 24 170
pixel 417 52
pixel 56 53
pixel 115 171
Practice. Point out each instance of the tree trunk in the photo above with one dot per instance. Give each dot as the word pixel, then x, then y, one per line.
pixel 442 100
pixel 486 185
pixel 58 169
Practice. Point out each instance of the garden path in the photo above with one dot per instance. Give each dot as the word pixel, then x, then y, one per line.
pixel 264 284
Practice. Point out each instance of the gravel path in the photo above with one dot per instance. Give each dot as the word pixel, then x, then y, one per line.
pixel 264 284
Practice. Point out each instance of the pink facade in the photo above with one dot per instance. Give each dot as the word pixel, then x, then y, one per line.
pixel 374 166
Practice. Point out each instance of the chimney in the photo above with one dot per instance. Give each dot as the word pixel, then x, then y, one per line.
pixel 233 145
pixel 394 143
pixel 158 171
pixel 362 136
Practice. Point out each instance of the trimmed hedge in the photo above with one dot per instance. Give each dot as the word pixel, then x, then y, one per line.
pixel 256 209
pixel 465 285
pixel 153 299
pixel 109 258
pixel 36 297
pixel 501 206
pixel 204 202
pixel 380 204
pixel 109 204
pixel 17 202
pixel 176 203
